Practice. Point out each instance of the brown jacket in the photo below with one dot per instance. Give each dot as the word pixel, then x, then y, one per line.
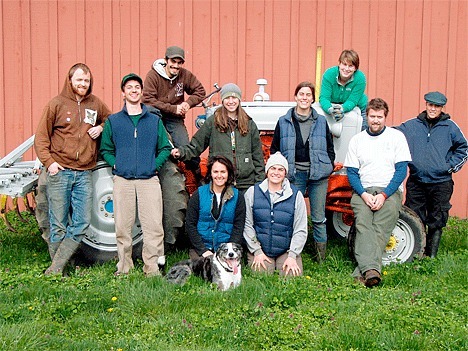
pixel 62 136
pixel 165 94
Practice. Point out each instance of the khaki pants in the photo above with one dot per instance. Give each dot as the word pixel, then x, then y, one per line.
pixel 373 230
pixel 276 263
pixel 144 195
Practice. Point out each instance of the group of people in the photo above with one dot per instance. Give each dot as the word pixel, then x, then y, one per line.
pixel 242 200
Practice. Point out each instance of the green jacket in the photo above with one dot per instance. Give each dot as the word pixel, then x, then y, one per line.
pixel 349 95
pixel 248 160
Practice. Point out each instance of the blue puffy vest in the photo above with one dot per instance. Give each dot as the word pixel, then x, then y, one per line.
pixel 135 147
pixel 320 164
pixel 273 226
pixel 215 232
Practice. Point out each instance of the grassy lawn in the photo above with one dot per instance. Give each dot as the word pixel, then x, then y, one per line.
pixel 419 306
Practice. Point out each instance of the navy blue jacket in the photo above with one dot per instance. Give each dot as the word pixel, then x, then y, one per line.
pixel 274 226
pixel 436 151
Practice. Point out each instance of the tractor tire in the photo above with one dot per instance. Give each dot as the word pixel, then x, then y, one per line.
pixel 42 206
pixel 99 244
pixel 338 224
pixel 407 241
pixel 175 200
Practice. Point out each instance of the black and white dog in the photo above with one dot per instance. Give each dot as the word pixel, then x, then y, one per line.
pixel 223 268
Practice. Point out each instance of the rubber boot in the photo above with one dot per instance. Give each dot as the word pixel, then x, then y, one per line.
pixel 428 248
pixel 53 247
pixel 321 251
pixel 64 252
pixel 436 235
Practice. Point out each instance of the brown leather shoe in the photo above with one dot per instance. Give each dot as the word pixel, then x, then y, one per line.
pixel 372 278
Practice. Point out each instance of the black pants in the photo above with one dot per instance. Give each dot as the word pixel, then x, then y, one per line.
pixel 431 201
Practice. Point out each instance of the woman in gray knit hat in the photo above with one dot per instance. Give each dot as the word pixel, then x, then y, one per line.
pixel 230 132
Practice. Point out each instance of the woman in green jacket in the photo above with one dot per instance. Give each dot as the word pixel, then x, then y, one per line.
pixel 343 88
pixel 230 132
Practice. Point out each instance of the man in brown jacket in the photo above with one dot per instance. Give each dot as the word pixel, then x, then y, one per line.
pixel 66 144
pixel 165 87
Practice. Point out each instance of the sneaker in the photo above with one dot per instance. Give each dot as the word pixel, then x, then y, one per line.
pixel 372 278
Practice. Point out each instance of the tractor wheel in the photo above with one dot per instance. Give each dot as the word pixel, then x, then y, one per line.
pixel 338 224
pixel 406 242
pixel 99 244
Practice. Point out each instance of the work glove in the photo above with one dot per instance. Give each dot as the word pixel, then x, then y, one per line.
pixel 338 112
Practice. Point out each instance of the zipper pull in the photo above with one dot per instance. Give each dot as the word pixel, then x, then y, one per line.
pixel 135 134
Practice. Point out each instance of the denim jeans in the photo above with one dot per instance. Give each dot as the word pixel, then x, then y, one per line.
pixel 317 190
pixel 70 196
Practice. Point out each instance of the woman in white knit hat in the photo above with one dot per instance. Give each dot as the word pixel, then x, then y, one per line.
pixel 230 132
pixel 276 222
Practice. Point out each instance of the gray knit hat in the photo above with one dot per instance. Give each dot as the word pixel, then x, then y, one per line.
pixel 230 89
pixel 175 51
pixel 276 159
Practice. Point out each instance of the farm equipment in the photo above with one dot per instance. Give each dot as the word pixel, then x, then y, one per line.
pixel 20 179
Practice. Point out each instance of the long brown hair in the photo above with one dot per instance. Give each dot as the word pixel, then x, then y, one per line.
pixel 221 119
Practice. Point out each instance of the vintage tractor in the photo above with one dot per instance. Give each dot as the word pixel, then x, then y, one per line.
pixel 20 179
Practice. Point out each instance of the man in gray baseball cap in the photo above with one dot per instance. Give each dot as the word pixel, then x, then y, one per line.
pixel 438 149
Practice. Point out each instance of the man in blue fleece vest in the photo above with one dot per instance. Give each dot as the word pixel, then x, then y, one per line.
pixel 134 142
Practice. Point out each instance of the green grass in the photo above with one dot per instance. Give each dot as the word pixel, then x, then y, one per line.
pixel 419 306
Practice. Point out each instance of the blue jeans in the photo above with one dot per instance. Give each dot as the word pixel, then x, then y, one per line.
pixel 70 196
pixel 317 190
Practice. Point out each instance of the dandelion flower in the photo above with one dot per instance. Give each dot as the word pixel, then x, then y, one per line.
pixel 385 273
pixel 110 310
pixel 114 298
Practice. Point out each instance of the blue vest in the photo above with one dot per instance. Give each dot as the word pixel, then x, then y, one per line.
pixel 273 226
pixel 320 164
pixel 135 147
pixel 215 232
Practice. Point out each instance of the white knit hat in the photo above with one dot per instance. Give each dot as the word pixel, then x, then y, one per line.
pixel 276 159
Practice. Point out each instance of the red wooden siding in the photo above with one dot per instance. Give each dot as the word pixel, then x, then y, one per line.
pixel 406 49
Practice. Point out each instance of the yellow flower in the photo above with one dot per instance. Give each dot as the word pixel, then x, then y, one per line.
pixel 385 273
pixel 114 298
pixel 110 309
pixel 119 349
pixel 307 277
pixel 30 308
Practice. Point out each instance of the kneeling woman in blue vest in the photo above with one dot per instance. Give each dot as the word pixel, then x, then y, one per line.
pixel 216 211
pixel 276 221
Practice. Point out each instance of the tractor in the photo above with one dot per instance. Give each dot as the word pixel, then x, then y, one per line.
pixel 24 179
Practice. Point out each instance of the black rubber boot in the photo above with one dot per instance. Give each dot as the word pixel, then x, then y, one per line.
pixel 436 235
pixel 428 248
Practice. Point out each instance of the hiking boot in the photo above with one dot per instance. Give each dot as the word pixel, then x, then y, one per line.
pixel 372 278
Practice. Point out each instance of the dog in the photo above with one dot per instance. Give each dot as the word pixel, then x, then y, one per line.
pixel 222 269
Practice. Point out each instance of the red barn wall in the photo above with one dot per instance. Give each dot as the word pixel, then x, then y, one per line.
pixel 407 48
